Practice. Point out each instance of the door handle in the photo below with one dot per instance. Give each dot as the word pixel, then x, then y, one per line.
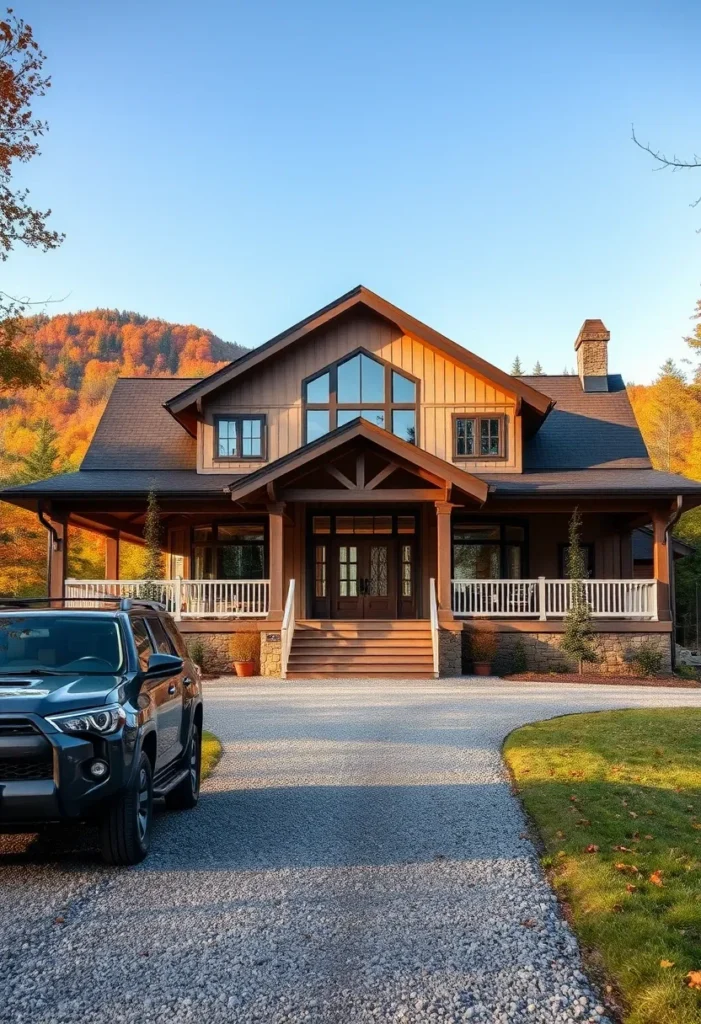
pixel 171 688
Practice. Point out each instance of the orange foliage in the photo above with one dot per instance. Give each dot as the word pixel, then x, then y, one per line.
pixel 83 354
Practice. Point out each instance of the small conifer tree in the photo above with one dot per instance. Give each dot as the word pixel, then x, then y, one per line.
pixel 538 370
pixel 577 638
pixel 154 569
pixel 43 460
pixel 516 369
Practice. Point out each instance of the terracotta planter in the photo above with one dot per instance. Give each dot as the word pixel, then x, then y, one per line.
pixel 245 668
pixel 482 668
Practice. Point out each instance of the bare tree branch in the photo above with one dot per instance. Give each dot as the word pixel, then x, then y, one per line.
pixel 673 163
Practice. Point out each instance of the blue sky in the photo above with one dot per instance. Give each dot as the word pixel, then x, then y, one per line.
pixel 238 165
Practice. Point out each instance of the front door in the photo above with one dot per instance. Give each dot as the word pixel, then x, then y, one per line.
pixel 364 583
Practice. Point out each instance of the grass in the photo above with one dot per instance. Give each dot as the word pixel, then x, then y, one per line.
pixel 211 753
pixel 626 785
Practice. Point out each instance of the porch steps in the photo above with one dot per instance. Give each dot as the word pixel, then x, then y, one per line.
pixel 400 649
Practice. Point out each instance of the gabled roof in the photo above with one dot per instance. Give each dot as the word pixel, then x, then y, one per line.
pixel 537 404
pixel 586 430
pixel 359 429
pixel 136 432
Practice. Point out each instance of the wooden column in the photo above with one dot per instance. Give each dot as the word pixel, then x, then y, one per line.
pixel 57 559
pixel 444 542
pixel 276 513
pixel 112 556
pixel 660 563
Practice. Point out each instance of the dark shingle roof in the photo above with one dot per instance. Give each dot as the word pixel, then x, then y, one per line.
pixel 590 481
pixel 115 482
pixel 585 430
pixel 136 432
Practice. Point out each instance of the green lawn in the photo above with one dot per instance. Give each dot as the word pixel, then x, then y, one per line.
pixel 626 785
pixel 211 753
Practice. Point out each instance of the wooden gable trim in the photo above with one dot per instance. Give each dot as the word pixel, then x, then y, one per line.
pixel 362 296
pixel 422 463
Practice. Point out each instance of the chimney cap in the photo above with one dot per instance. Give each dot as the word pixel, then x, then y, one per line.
pixel 592 330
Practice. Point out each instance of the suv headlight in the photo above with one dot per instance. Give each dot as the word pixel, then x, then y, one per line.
pixel 100 721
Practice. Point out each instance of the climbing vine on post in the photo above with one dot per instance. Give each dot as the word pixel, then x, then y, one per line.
pixel 577 640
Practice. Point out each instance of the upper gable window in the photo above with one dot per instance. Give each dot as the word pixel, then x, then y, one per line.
pixel 359 385
pixel 479 437
pixel 239 437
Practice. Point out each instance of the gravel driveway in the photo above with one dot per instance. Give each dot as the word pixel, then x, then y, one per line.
pixel 356 857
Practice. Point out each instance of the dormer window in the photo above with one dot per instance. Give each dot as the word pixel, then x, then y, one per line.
pixel 359 385
pixel 240 437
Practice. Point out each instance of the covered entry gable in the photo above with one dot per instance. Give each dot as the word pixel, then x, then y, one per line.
pixel 360 462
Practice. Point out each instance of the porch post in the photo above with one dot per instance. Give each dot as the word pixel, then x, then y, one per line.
pixel 444 543
pixel 112 556
pixel 276 513
pixel 660 562
pixel 57 559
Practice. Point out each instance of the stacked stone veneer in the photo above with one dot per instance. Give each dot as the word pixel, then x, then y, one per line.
pixel 449 653
pixel 217 652
pixel 542 652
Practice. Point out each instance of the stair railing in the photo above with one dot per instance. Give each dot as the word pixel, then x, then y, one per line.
pixel 434 625
pixel 288 629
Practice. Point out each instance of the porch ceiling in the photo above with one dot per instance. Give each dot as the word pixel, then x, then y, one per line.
pixel 360 462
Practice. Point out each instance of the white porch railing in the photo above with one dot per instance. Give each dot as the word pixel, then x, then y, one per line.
pixel 551 599
pixel 288 629
pixel 186 599
pixel 434 627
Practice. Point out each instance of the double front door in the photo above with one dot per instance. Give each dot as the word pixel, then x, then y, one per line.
pixel 365 579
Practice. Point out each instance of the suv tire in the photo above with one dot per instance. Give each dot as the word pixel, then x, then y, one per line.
pixel 125 829
pixel 186 794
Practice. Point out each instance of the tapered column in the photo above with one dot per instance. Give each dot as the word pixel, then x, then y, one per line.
pixel 444 542
pixel 276 513
pixel 112 556
pixel 660 564
pixel 57 559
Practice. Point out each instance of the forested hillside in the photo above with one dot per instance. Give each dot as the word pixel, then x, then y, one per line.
pixel 48 431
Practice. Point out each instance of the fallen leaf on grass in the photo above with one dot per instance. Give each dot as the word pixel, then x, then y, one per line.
pixel 649 836
pixel 696 824
pixel 694 979
pixel 529 923
pixel 583 821
pixel 617 908
pixel 666 963
pixel 592 848
pixel 627 869
pixel 632 814
pixel 622 849
pixel 656 878
pixel 631 888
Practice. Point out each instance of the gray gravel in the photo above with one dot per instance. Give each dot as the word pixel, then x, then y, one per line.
pixel 357 857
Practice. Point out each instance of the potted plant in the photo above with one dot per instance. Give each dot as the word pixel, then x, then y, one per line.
pixel 484 647
pixel 245 651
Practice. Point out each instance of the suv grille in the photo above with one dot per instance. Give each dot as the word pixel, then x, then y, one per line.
pixel 14 770
pixel 17 727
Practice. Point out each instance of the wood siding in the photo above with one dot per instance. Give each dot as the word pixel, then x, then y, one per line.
pixel 445 388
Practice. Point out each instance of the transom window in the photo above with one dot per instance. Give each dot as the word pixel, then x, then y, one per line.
pixel 239 437
pixel 360 385
pixel 479 437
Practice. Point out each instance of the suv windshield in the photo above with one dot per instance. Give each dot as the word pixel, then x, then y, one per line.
pixel 56 642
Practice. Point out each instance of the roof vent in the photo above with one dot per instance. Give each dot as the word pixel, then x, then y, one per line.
pixel 591 347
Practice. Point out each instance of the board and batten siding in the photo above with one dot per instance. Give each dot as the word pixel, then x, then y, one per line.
pixel 275 389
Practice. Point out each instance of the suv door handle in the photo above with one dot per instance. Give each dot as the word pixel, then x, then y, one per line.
pixel 171 688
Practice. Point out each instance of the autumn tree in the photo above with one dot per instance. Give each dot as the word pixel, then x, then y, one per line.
pixel 22 81
pixel 669 416
pixel 516 368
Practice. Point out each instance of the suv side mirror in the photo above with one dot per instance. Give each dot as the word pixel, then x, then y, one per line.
pixel 164 665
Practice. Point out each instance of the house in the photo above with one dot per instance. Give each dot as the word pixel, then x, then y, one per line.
pixel 366 493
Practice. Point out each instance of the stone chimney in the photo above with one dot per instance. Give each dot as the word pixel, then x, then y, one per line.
pixel 591 347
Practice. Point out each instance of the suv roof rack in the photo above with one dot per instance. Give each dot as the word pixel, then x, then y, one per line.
pixel 123 603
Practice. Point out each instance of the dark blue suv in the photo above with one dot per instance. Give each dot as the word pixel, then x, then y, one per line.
pixel 100 712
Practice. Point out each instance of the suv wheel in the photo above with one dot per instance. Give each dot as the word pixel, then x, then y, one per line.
pixel 125 830
pixel 187 793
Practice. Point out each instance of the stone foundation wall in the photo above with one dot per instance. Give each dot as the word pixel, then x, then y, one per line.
pixel 270 654
pixel 542 653
pixel 449 653
pixel 212 651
